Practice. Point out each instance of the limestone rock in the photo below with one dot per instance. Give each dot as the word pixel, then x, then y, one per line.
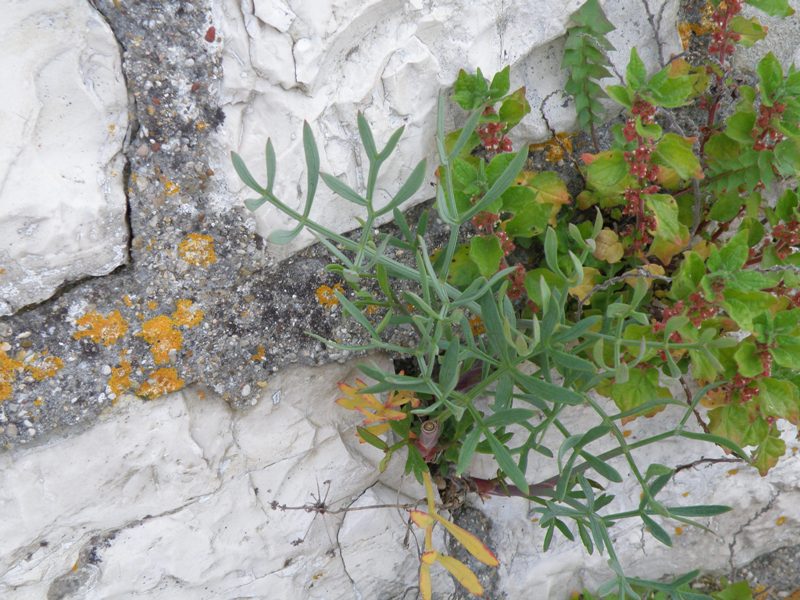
pixel 290 61
pixel 63 120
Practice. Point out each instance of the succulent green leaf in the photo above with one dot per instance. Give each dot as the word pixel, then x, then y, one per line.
pixel 676 152
pixel 642 387
pixel 636 73
pixel 774 8
pixel 470 91
pixel 500 84
pixel 670 236
pixel 486 253
pixel 514 108
pixel 779 398
pixel 725 207
pixel 748 359
pixel 751 30
pixel 767 454
pixel 770 77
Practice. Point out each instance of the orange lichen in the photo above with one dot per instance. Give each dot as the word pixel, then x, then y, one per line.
pixel 152 304
pixel 326 295
pixel 120 380
pixel 780 521
pixel 162 332
pixel 626 433
pixel 106 330
pixel 556 148
pixel 126 300
pixel 185 315
pixel 260 355
pixel 476 325
pixel 8 374
pixel 42 365
pixel 160 382
pixel 679 531
pixel 171 188
pixel 38 401
pixel 197 249
pixel 162 335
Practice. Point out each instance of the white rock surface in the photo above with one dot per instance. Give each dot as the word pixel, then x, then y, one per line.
pixel 63 120
pixel 171 499
pixel 291 60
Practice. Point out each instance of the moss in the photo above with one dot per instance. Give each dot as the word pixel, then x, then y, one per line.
pixel 106 330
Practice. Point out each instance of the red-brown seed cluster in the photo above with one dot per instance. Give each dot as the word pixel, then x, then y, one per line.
pixel 722 38
pixel 700 309
pixel 485 222
pixel 517 287
pixel 765 136
pixel 787 237
pixel 492 135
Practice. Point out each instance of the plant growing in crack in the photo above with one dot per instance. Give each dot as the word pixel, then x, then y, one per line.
pixel 537 306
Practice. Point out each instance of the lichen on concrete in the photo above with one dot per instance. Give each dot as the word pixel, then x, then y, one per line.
pixel 201 301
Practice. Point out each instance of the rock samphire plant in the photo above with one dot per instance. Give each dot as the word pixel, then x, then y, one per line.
pixel 677 262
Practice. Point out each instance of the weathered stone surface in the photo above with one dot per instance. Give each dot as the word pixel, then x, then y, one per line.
pixel 63 121
pixel 783 39
pixel 286 62
pixel 174 499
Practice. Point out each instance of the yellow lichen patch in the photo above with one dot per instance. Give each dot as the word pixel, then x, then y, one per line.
pixel 685 494
pixel 197 249
pixel 686 30
pixel 160 382
pixel 160 332
pixel 201 126
pixel 260 355
pixel 185 315
pixel 733 472
pixel 326 295
pixel 476 325
pixel 780 521
pixel 556 148
pixel 42 365
pixel 171 188
pixel 38 401
pixel 679 531
pixel 106 330
pixel 120 380
pixel 8 374
pixel 152 304
pixel 126 300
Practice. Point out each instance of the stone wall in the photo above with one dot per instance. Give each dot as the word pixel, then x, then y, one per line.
pixel 159 399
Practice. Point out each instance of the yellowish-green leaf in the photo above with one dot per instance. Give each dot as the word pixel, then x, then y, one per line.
pixel 462 573
pixel 425 587
pixel 470 541
pixel 421 518
pixel 582 290
pixel 608 246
